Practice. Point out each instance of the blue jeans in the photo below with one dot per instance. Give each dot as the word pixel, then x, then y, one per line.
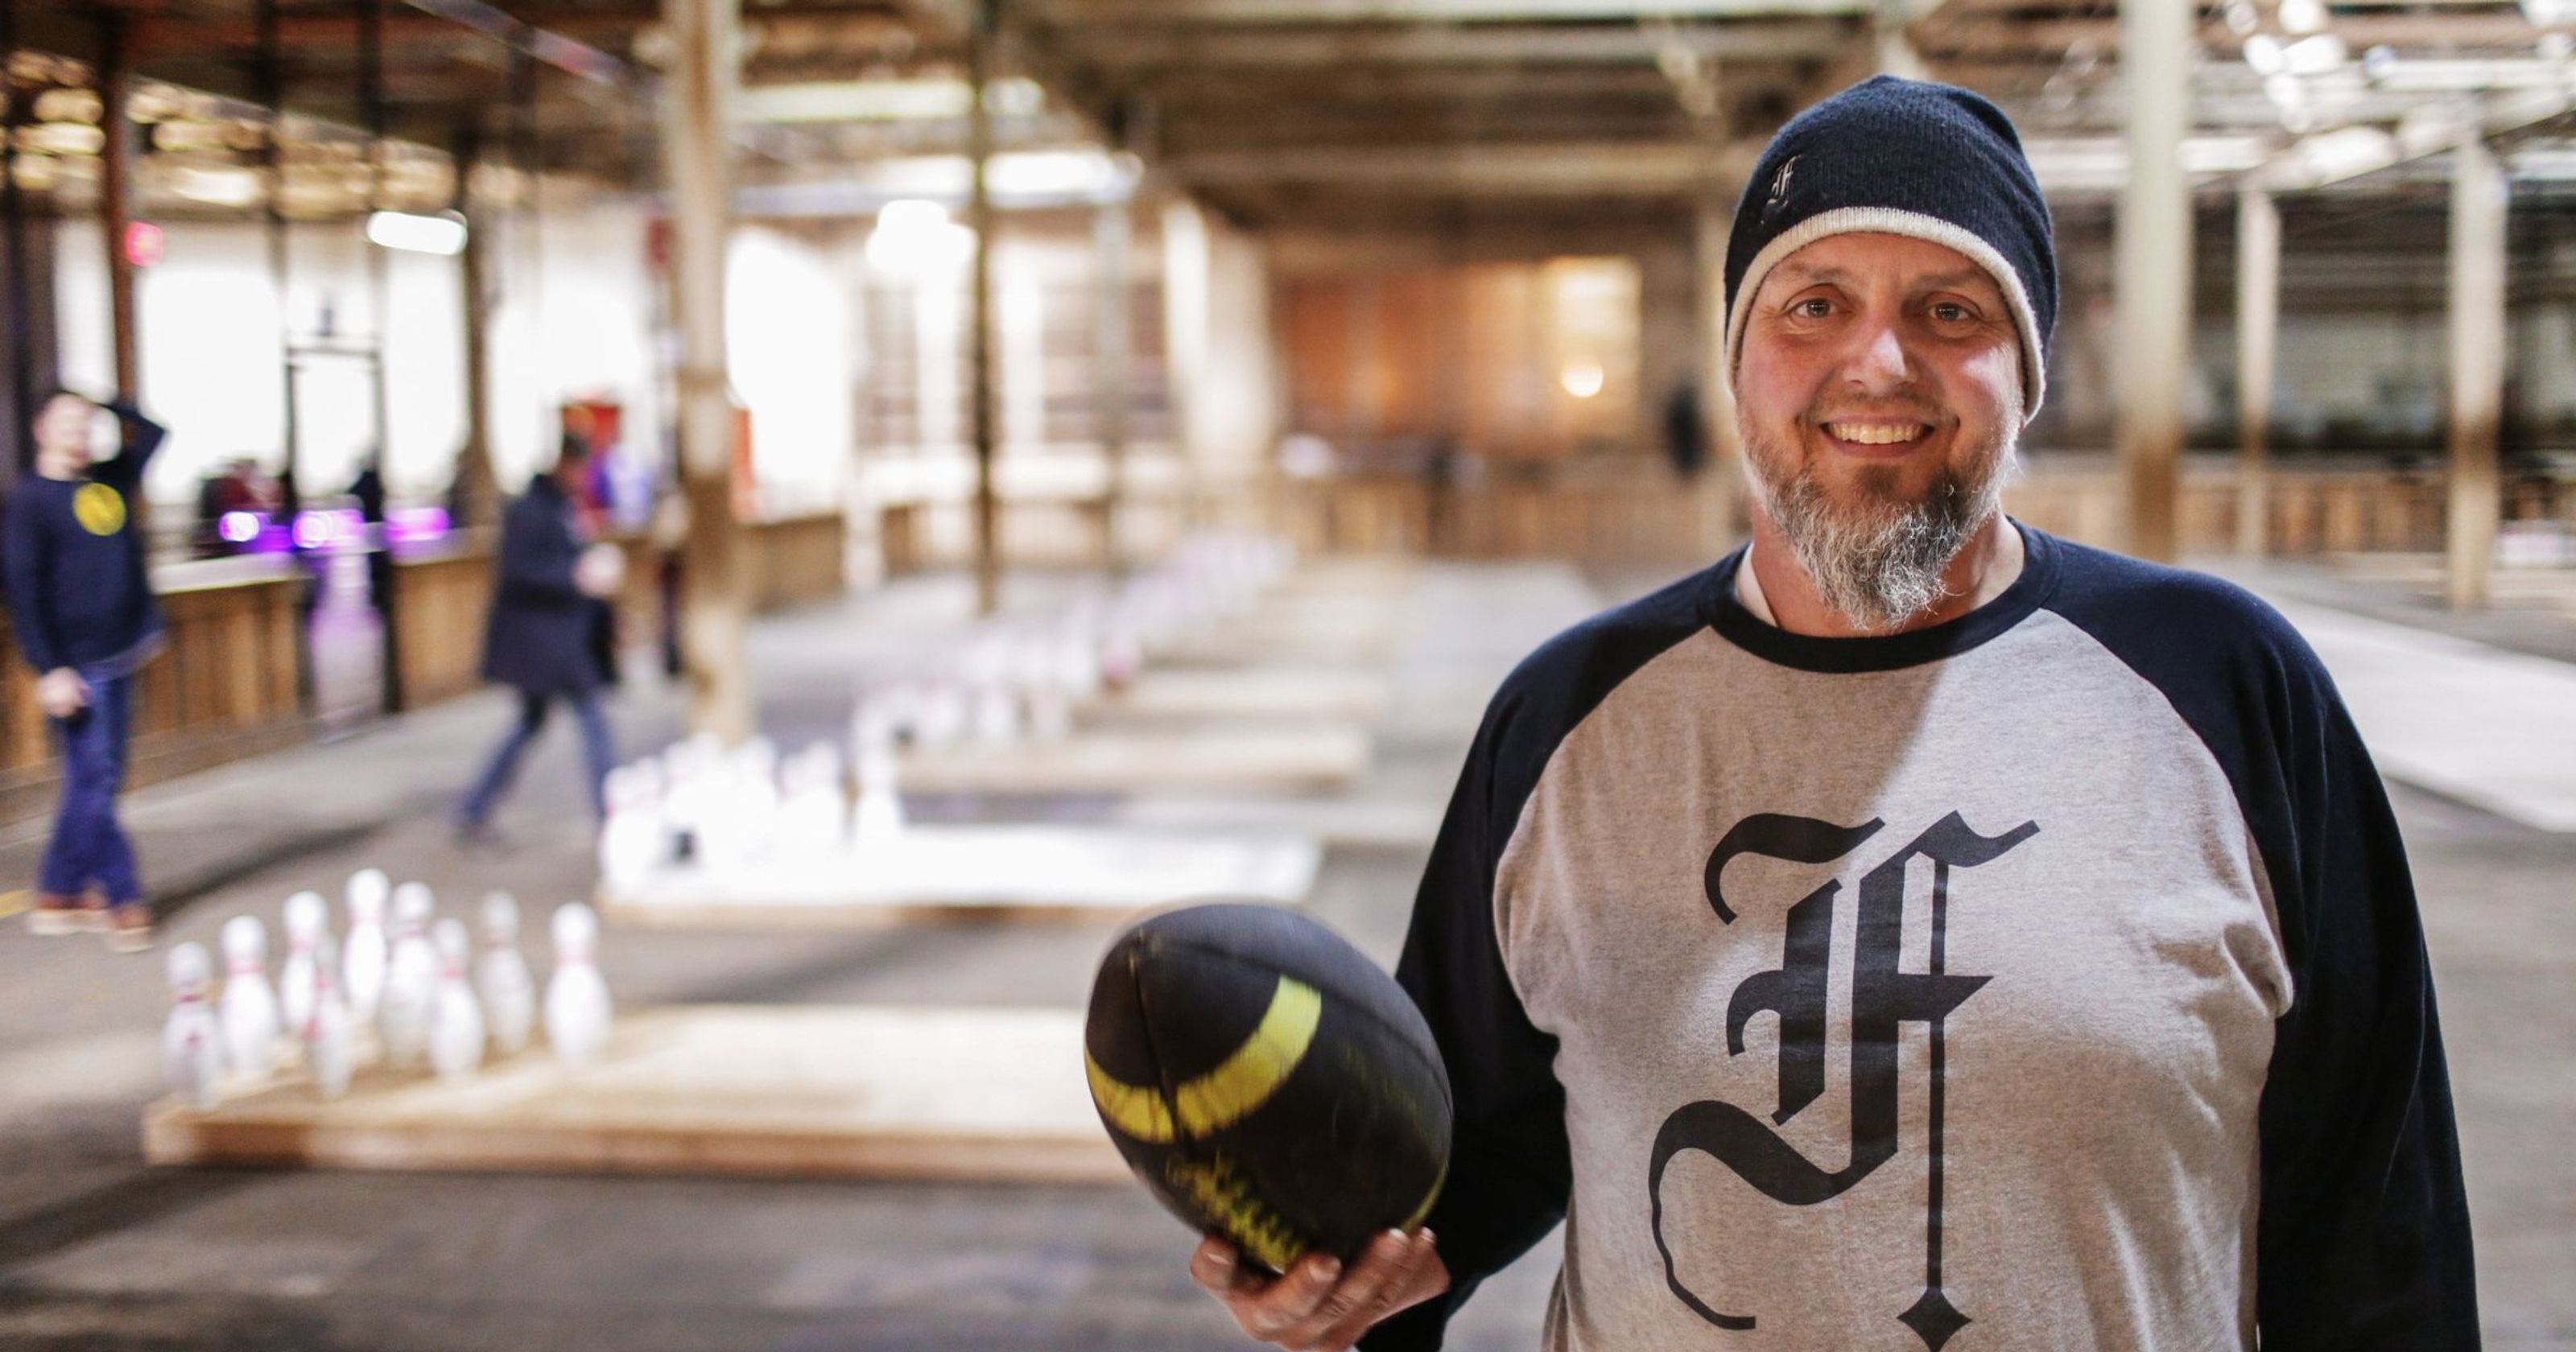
pixel 597 750
pixel 88 846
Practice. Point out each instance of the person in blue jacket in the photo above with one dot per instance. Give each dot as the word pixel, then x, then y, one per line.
pixel 547 608
pixel 82 607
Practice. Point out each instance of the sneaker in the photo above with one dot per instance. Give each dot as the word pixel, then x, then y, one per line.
pixel 57 914
pixel 129 927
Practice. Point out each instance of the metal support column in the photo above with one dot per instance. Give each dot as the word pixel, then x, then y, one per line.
pixel 2153 261
pixel 2258 326
pixel 2479 190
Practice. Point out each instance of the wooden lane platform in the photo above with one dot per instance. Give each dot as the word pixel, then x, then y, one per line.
pixel 986 1095
pixel 1145 761
pixel 933 874
pixel 1255 694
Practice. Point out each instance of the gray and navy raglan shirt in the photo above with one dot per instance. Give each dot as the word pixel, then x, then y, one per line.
pixel 2048 979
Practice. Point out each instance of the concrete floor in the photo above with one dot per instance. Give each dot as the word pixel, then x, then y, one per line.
pixel 99 1252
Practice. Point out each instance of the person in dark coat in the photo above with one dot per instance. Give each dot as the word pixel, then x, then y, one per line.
pixel 547 603
pixel 82 607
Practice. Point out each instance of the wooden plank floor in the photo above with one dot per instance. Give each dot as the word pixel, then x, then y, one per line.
pixel 992 1095
pixel 952 873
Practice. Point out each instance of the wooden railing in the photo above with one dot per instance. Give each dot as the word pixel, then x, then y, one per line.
pixel 1643 513
pixel 443 598
pixel 223 686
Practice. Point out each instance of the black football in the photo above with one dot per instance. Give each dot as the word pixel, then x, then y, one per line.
pixel 1266 1081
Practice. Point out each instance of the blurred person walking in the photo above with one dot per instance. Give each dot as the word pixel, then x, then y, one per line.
pixel 548 604
pixel 82 606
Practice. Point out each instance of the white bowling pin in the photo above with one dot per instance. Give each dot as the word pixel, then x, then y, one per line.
pixel 878 816
pixel 330 1043
pixel 192 1044
pixel 577 1004
pixel 308 919
pixel 362 963
pixel 630 841
pixel 814 812
pixel 249 1004
pixel 411 977
pixel 509 993
pixel 456 1018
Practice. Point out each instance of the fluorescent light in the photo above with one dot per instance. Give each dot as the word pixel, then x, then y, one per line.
pixel 440 234
pixel 883 100
pixel 219 187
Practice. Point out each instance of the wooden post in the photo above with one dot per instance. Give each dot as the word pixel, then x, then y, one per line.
pixel 2258 324
pixel 980 27
pixel 476 485
pixel 1111 234
pixel 2153 257
pixel 2479 190
pixel 714 606
pixel 115 196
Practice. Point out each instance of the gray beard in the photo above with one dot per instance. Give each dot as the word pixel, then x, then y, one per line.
pixel 1877 562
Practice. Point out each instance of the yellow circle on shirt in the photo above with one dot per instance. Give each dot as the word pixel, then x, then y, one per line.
pixel 99 508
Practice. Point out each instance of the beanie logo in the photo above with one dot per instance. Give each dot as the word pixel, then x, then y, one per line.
pixel 1780 187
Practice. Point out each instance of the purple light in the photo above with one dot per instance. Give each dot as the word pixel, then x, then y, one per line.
pixel 238 528
pixel 327 528
pixel 408 525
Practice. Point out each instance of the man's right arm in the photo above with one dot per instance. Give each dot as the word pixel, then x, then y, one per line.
pixel 1508 1171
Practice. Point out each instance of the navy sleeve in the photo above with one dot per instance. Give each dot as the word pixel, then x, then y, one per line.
pixel 1509 1173
pixel 2362 1242
pixel 29 573
pixel 139 439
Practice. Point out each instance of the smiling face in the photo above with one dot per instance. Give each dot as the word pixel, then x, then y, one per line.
pixel 1879 393
pixel 62 436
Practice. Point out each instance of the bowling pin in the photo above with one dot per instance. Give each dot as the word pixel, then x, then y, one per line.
pixel 307 917
pixel 631 840
pixel 192 1045
pixel 814 811
pixel 456 1018
pixel 878 816
pixel 577 1005
pixel 411 977
pixel 362 964
pixel 249 1004
pixel 509 994
pixel 330 1042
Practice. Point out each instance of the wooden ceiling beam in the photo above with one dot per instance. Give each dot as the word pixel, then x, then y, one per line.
pixel 1179 13
pixel 1140 48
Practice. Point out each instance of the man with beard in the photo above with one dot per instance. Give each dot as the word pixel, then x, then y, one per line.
pixel 1916 928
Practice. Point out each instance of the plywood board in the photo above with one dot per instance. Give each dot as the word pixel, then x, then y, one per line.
pixel 2476 723
pixel 789 1091
pixel 939 873
pixel 1284 693
pixel 1144 761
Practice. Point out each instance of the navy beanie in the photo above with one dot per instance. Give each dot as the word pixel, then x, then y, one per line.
pixel 1903 157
